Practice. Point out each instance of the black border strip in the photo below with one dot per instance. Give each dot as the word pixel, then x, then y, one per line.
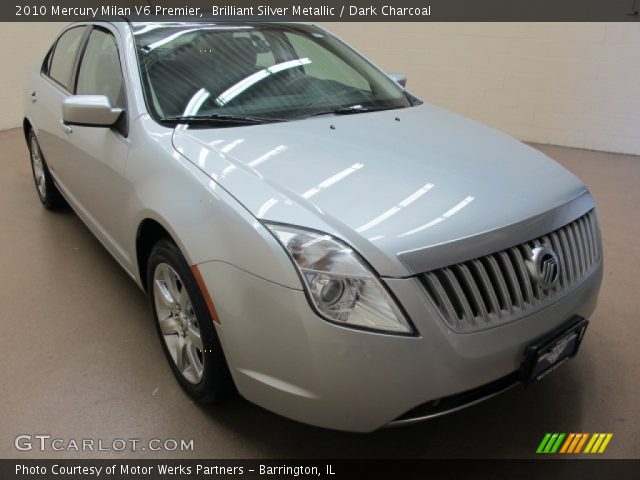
pixel 326 11
pixel 406 469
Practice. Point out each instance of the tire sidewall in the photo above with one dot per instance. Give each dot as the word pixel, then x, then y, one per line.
pixel 215 379
pixel 30 139
pixel 52 199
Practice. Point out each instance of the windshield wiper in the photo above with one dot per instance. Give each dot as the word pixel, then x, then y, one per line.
pixel 221 118
pixel 347 111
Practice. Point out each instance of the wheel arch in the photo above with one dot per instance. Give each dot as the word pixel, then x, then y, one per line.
pixel 26 128
pixel 150 231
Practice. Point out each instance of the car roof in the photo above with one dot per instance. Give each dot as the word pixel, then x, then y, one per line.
pixel 210 22
pixel 122 22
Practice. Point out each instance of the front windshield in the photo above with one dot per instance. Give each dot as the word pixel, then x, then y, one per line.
pixel 266 71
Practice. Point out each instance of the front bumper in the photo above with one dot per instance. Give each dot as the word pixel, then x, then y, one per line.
pixel 287 360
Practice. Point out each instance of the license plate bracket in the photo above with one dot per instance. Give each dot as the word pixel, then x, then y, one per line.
pixel 553 350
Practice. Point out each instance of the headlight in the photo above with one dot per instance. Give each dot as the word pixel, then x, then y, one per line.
pixel 341 286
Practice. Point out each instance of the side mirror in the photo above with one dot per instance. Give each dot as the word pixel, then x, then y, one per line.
pixel 89 111
pixel 399 78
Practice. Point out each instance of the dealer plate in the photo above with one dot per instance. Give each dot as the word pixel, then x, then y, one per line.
pixel 546 355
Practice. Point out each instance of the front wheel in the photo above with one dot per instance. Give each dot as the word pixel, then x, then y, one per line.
pixel 189 339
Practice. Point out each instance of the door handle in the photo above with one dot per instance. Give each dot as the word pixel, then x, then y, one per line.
pixel 67 128
pixel 33 96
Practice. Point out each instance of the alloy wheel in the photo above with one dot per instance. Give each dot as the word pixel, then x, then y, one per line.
pixel 38 168
pixel 178 323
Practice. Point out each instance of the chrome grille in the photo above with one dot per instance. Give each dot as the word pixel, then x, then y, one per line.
pixel 498 288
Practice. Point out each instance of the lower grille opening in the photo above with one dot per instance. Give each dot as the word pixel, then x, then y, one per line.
pixel 460 400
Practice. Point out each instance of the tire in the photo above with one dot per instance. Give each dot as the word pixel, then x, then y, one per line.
pixel 181 316
pixel 46 188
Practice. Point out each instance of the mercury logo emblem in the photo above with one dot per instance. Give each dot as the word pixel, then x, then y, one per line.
pixel 544 266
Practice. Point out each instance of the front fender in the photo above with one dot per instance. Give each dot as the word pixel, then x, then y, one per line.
pixel 205 221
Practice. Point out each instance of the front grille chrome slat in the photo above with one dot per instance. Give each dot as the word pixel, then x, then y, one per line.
pixel 512 279
pixel 481 308
pixel 500 287
pixel 523 275
pixel 593 236
pixel 582 259
pixel 502 290
pixel 566 253
pixel 464 314
pixel 537 290
pixel 555 243
pixel 573 251
pixel 492 299
pixel 584 241
pixel 439 295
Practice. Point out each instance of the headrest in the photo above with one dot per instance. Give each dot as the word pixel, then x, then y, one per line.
pixel 245 52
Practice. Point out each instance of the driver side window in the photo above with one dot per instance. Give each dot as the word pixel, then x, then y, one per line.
pixel 100 72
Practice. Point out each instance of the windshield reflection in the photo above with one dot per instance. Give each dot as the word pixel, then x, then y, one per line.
pixel 264 71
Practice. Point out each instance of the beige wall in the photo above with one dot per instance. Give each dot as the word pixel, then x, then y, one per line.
pixel 22 45
pixel 574 84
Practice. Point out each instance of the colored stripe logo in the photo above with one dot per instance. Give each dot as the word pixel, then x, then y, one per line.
pixel 574 443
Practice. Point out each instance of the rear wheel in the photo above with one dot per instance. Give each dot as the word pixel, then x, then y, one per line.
pixel 47 191
pixel 185 327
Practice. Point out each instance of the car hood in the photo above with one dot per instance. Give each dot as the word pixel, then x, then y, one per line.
pixel 386 182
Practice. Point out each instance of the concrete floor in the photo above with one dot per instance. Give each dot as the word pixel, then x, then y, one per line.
pixel 80 356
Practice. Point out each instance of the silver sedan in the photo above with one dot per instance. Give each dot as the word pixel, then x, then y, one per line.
pixel 307 230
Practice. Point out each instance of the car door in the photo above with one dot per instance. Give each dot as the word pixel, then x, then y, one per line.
pixel 93 172
pixel 49 90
